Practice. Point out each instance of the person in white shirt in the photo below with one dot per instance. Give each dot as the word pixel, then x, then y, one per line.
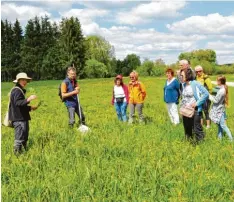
pixel 120 98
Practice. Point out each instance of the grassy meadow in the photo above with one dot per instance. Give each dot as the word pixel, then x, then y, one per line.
pixel 115 161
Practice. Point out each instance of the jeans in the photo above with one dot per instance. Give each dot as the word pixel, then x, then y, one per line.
pixel 139 108
pixel 21 134
pixel 71 114
pixel 193 123
pixel 223 127
pixel 173 113
pixel 121 109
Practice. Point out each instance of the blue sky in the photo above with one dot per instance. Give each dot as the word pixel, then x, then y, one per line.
pixel 150 29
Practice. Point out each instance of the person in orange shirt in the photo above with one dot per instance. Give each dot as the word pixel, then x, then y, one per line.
pixel 137 94
pixel 69 90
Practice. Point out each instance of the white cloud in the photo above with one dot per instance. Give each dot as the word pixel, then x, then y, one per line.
pixel 224 51
pixel 90 28
pixel 225 59
pixel 145 13
pixel 215 24
pixel 185 35
pixel 85 15
pixel 58 5
pixel 147 36
pixel 147 43
pixel 23 13
pixel 220 45
pixel 105 4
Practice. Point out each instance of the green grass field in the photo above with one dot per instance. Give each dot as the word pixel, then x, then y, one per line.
pixel 115 161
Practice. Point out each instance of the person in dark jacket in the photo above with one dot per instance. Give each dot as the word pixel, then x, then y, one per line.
pixel 19 111
pixel 70 91
pixel 171 96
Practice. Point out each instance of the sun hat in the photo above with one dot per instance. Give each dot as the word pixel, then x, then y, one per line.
pixel 198 68
pixel 22 75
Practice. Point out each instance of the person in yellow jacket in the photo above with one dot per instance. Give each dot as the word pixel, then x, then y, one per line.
pixel 137 94
pixel 204 79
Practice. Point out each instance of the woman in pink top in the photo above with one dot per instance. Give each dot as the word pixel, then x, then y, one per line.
pixel 120 98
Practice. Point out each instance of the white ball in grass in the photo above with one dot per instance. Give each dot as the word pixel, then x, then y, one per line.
pixel 83 129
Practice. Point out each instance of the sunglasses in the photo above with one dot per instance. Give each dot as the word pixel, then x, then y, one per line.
pixel 131 77
pixel 198 71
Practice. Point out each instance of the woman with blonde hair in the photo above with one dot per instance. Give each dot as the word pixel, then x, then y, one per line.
pixel 217 112
pixel 137 94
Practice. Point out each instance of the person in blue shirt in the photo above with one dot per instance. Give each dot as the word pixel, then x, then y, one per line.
pixel 171 96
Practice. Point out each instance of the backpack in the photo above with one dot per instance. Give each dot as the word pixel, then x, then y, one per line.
pixel 60 93
pixel 6 121
pixel 205 85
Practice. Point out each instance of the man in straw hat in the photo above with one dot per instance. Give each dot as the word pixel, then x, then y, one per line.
pixel 19 111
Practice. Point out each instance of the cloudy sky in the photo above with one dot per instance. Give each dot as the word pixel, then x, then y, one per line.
pixel 150 29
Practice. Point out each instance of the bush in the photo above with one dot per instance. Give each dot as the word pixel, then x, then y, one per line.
pixel 95 69
pixel 224 69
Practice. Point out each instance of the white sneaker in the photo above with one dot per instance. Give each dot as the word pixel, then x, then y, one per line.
pixel 130 121
pixel 207 127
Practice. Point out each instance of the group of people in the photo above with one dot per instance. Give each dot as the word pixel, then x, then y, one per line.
pixel 19 107
pixel 193 89
pixel 133 95
pixel 190 89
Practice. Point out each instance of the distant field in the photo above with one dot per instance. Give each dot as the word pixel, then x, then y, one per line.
pixel 229 77
pixel 115 162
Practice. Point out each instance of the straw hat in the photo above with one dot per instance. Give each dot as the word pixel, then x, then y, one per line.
pixel 22 75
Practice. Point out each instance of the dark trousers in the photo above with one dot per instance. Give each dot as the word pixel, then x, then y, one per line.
pixel 71 114
pixel 193 124
pixel 21 134
pixel 206 107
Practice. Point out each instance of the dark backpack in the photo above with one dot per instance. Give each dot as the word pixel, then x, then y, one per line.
pixel 60 93
pixel 205 85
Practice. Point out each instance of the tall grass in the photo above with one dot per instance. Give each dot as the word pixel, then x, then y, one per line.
pixel 115 161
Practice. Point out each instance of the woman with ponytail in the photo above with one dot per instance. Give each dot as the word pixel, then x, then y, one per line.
pixel 217 112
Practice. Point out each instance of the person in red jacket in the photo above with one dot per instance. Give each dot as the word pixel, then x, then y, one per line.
pixel 120 98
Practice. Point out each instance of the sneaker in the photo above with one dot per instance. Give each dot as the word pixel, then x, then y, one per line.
pixel 207 127
pixel 17 151
pixel 130 121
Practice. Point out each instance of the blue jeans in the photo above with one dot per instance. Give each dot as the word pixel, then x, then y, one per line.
pixel 223 127
pixel 121 109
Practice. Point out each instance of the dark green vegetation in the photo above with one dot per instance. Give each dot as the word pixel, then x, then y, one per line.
pixel 115 162
pixel 45 50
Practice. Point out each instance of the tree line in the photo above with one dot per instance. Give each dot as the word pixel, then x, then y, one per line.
pixel 44 50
